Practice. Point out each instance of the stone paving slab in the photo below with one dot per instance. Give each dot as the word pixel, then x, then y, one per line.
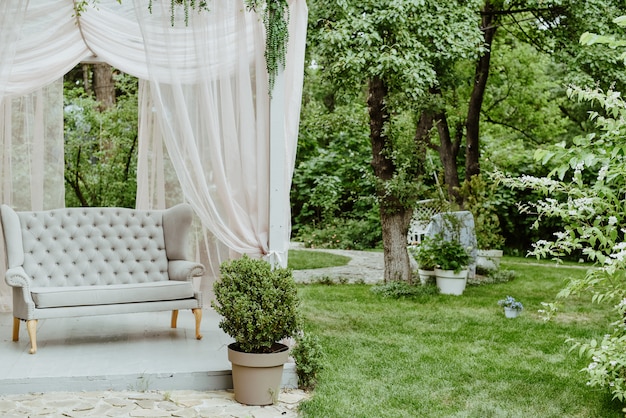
pixel 176 403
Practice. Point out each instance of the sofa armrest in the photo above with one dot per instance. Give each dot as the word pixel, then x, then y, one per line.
pixel 23 304
pixel 17 277
pixel 184 269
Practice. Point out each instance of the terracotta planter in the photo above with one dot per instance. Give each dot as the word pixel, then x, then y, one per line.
pixel 426 276
pixel 257 376
pixel 451 283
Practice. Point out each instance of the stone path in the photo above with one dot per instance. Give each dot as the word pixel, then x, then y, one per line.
pixel 176 403
pixel 363 267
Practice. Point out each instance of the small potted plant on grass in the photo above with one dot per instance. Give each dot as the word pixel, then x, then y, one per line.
pixel 425 256
pixel 258 306
pixel 452 259
pixel 512 307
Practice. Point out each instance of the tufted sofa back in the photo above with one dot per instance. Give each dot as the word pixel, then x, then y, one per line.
pixel 92 246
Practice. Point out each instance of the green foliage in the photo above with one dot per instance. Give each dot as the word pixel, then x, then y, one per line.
pixel 101 147
pixel 348 234
pixel 258 304
pixel 477 196
pixel 332 178
pixel 403 42
pixel 397 289
pixel 494 277
pixel 450 254
pixel 585 191
pixel 607 367
pixel 309 357
pixel 275 19
pixel 425 253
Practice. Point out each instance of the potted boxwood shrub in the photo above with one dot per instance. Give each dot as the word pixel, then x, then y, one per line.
pixel 452 259
pixel 425 255
pixel 259 307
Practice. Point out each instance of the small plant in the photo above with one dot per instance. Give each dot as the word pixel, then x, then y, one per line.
pixel 510 302
pixel 425 254
pixel 258 304
pixel 399 289
pixel 309 358
pixel 450 255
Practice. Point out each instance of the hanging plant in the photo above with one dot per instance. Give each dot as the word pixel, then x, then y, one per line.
pixel 275 20
pixel 275 14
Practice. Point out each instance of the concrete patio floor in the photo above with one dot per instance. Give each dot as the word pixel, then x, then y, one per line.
pixel 115 352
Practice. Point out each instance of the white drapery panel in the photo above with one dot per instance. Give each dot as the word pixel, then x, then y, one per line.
pixel 206 99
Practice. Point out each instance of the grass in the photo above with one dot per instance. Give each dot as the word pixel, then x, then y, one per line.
pixel 304 260
pixel 454 356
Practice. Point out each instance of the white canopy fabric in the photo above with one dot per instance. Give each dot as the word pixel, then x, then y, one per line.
pixel 203 99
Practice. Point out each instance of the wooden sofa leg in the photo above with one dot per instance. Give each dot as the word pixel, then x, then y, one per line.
pixel 197 312
pixel 174 318
pixel 16 329
pixel 31 326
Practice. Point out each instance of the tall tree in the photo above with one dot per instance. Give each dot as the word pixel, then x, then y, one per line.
pixel 392 48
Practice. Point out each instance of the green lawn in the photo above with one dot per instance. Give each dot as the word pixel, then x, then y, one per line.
pixel 307 259
pixel 454 356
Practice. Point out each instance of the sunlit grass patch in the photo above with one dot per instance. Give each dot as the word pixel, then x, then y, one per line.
pixel 454 356
pixel 305 259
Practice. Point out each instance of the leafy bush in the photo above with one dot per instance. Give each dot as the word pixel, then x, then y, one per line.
pixel 608 357
pixel 478 199
pixel 399 289
pixel 425 254
pixel 258 304
pixel 309 357
pixel 585 192
pixel 348 234
pixel 450 255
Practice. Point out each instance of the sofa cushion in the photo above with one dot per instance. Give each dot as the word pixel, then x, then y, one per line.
pixel 58 296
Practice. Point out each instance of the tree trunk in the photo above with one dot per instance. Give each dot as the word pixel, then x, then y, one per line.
pixel 448 148
pixel 394 217
pixel 87 78
pixel 472 125
pixel 103 85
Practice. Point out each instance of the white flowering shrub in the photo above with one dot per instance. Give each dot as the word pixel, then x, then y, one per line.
pixel 608 358
pixel 586 191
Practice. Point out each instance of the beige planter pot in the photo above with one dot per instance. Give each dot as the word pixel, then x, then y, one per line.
pixel 257 377
pixel 451 283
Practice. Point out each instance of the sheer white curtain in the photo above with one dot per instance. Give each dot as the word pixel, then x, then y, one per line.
pixel 31 111
pixel 206 101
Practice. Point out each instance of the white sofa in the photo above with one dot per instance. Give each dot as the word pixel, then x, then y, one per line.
pixel 94 261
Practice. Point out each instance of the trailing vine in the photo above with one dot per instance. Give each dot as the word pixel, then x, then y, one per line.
pixel 275 14
pixel 275 20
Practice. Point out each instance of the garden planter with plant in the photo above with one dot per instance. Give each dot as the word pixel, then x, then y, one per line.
pixel 258 306
pixel 425 256
pixel 452 259
pixel 512 307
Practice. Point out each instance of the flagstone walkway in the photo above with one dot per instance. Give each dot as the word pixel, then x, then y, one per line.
pixel 177 403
